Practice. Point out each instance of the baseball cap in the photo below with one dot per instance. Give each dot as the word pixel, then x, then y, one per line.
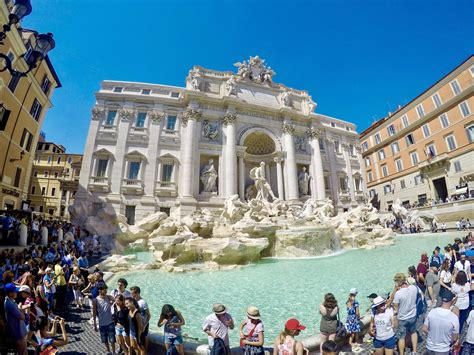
pixel 372 295
pixel 447 297
pixel 353 291
pixel 11 287
pixel 24 288
pixel 294 324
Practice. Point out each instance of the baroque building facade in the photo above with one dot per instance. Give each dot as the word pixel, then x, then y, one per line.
pixel 156 147
pixel 423 153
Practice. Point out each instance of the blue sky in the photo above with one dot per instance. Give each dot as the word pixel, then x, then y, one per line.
pixel 358 59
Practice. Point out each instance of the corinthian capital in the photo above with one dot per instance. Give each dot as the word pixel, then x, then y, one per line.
pixel 314 133
pixel 190 114
pixel 229 118
pixel 126 114
pixel 156 116
pixel 98 112
pixel 288 128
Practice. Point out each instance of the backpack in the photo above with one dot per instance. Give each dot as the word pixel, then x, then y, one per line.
pixel 421 305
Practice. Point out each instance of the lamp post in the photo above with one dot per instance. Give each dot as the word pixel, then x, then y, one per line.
pixel 21 9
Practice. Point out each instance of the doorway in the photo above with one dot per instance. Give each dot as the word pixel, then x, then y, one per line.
pixel 440 188
pixel 130 214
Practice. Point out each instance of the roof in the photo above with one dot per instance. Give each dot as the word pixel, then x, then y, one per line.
pixel 379 122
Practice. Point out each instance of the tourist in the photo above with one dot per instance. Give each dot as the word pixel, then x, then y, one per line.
pixel 329 348
pixel 146 316
pixel 252 332
pixel 404 304
pixel 382 324
pixel 122 289
pixel 353 317
pixel 460 288
pixel 135 325
pixel 445 278
pixel 49 288
pixel 371 298
pixel 217 325
pixel 76 282
pixel 432 286
pixel 285 343
pixel 172 320
pixel 436 258
pixel 463 265
pixel 15 319
pixel 468 345
pixel 421 271
pixel 450 254
pixel 122 324
pixel 27 305
pixel 46 341
pixel 102 310
pixel 442 327
pixel 329 311
pixel 83 265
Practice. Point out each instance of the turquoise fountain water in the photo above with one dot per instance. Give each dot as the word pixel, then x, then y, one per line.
pixel 281 288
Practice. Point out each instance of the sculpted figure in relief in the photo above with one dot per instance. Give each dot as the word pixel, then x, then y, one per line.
pixel 209 177
pixel 230 86
pixel 261 184
pixel 195 82
pixel 285 98
pixel 209 131
pixel 303 182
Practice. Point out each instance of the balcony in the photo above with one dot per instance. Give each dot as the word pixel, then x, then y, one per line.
pixel 438 162
pixel 360 196
pixel 166 189
pixel 132 186
pixel 99 184
pixel 107 133
pixel 138 135
pixel 344 195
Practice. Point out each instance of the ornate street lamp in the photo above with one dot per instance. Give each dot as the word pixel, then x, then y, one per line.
pixel 21 9
pixel 44 43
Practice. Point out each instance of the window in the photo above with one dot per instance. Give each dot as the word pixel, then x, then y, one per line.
pixel 69 160
pixel 381 154
pixel 45 174
pixel 399 165
pixel 46 147
pixel 141 117
pixel 410 139
pixel 333 124
pixel 387 189
pixel 133 170
pixel 4 115
pixel 367 161
pixel 348 128
pixel 444 120
pixel 451 142
pixel 342 183
pixel 377 138
pixel 414 158
pixel 384 170
pixel 43 191
pixel 49 160
pixel 26 140
pixel 118 89
pixel 146 91
pixel 56 175
pixel 365 146
pixel 470 133
pixel 41 209
pixel 59 160
pixel 166 172
pixel 337 147
pixel 130 214
pixel 395 147
pixel 405 121
pixel 29 52
pixel 430 151
pixel 472 70
pixel 102 167
pixel 326 182
pixel 36 109
pixel 33 189
pixel 457 166
pixel 369 176
pixel 420 111
pixel 171 123
pixel 51 211
pixel 426 130
pixel 45 84
pixel 455 86
pixel 53 191
pixel 175 94
pixel 418 179
pixel 16 182
pixel 391 130
pixel 464 109
pixel 402 184
pixel 110 118
pixel 321 144
pixel 35 174
pixel 13 83
pixel 436 100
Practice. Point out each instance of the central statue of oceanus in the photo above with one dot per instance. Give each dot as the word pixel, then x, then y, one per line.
pixel 261 184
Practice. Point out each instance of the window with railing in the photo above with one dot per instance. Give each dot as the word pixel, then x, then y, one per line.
pixel 110 120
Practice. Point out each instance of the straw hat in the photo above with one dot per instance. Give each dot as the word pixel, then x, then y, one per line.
pixel 219 308
pixel 253 313
pixel 378 301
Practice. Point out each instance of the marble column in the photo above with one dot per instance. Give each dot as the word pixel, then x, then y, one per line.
pixel 240 156
pixel 350 178
pixel 279 178
pixel 188 120
pixel 230 154
pixel 317 161
pixel 290 164
pixel 362 183
pixel 267 173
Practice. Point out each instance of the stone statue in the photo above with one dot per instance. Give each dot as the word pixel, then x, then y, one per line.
pixel 209 130
pixel 303 182
pixel 209 177
pixel 311 104
pixel 261 184
pixel 255 70
pixel 230 86
pixel 285 98
pixel 194 82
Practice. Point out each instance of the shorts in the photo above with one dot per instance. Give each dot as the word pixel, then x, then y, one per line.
pixel 144 334
pixel 120 331
pixel 107 333
pixel 177 340
pixel 405 327
pixel 387 344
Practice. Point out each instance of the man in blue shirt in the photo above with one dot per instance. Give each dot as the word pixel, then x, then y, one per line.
pixel 16 327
